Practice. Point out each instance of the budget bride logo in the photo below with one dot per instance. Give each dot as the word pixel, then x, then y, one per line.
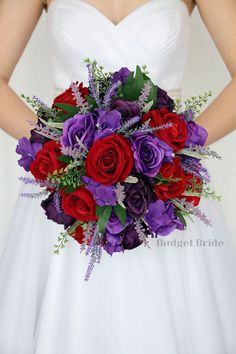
pixel 197 242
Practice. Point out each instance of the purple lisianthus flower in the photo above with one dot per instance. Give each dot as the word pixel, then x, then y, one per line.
pixel 130 238
pixel 107 123
pixel 28 152
pixel 81 126
pixel 138 196
pixel 120 75
pixel 114 225
pixel 113 243
pixel 164 101
pixel 128 109
pixel 52 213
pixel 103 195
pixel 103 133
pixel 149 153
pixel 161 218
pixel 111 119
pixel 197 135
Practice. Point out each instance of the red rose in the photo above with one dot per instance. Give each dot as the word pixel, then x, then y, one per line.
pixel 110 160
pixel 68 97
pixel 46 160
pixel 78 235
pixel 79 204
pixel 194 184
pixel 176 135
pixel 173 189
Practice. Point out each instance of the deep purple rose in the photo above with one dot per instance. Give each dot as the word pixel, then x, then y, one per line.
pixel 149 153
pixel 163 100
pixel 113 243
pixel 128 109
pixel 28 152
pixel 130 238
pixel 114 225
pixel 120 75
pixel 103 195
pixel 161 218
pixel 137 198
pixel 81 126
pixel 53 213
pixel 37 138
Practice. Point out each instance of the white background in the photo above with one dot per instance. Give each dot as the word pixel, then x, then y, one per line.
pixel 205 71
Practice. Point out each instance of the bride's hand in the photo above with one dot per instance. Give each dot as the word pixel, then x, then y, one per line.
pixel 17 22
pixel 219 118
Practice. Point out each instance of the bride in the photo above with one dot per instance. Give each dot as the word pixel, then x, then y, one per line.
pixel 167 299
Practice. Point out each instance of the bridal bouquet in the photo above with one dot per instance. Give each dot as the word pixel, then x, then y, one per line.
pixel 118 161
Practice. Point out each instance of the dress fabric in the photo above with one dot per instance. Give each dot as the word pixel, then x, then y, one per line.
pixel 158 300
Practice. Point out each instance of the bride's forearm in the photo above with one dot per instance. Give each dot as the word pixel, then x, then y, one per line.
pixel 14 113
pixel 219 118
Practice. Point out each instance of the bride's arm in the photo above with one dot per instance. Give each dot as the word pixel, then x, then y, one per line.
pixel 219 118
pixel 17 22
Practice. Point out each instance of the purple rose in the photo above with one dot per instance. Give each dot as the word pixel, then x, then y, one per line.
pixel 103 195
pixel 120 75
pixel 130 238
pixel 137 197
pixel 161 218
pixel 197 135
pixel 128 109
pixel 113 243
pixel 28 152
pixel 163 100
pixel 53 213
pixel 81 126
pixel 149 153
pixel 114 225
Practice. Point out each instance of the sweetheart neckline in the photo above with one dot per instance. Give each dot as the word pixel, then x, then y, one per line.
pixel 126 18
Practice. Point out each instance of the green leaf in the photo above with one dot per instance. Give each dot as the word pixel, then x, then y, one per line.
pixel 147 107
pixel 69 108
pixel 66 159
pixel 133 85
pixel 103 214
pixel 69 189
pixel 153 93
pixel 180 216
pixel 91 101
pixel 121 214
pixel 99 210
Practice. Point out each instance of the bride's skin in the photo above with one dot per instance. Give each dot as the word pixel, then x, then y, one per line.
pixel 19 18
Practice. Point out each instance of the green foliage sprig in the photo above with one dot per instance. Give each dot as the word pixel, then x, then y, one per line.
pixel 102 78
pixel 196 102
pixel 205 193
pixel 63 237
pixel 69 177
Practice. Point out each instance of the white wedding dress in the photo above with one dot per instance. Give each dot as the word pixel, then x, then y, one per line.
pixel 162 300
